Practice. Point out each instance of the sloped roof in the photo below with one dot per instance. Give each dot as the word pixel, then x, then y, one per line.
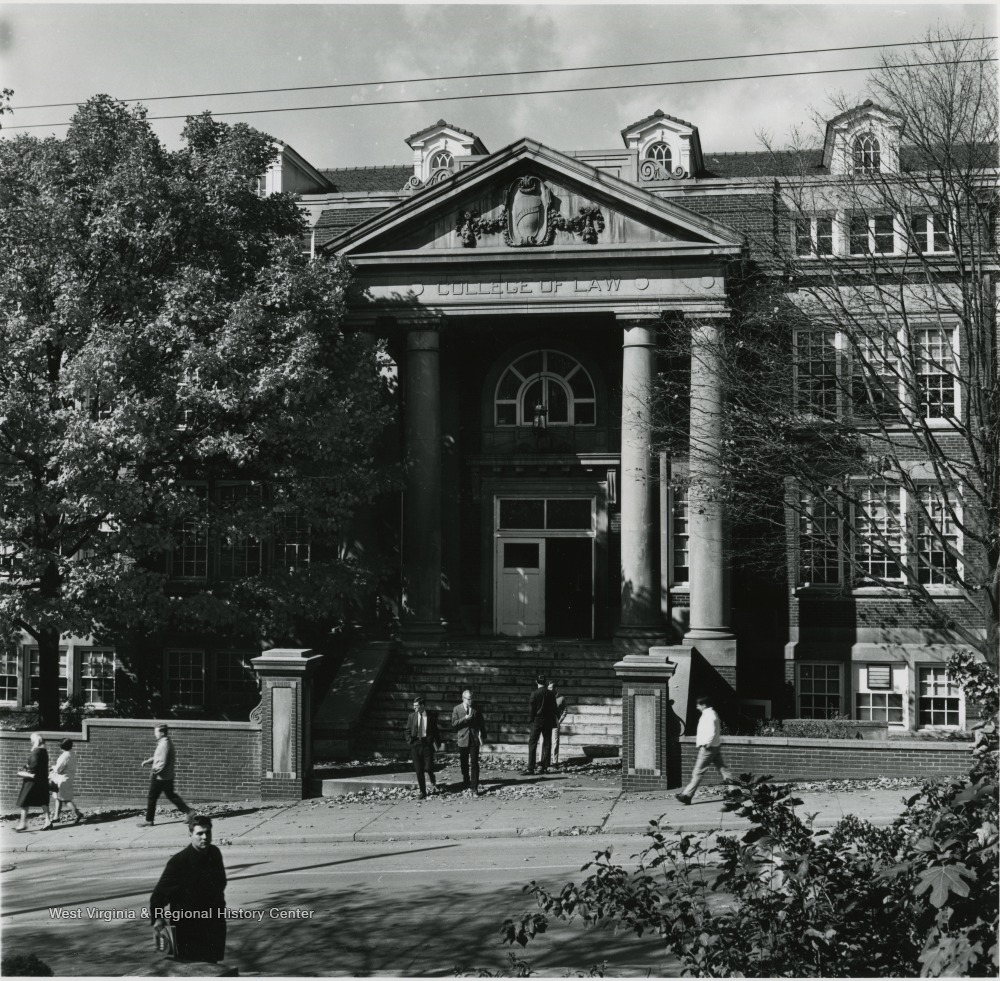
pixel 433 126
pixel 659 114
pixel 763 163
pixel 391 177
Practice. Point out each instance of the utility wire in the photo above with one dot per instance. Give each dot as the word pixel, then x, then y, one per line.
pixel 507 95
pixel 530 71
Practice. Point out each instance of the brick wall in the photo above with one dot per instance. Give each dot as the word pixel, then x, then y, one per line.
pixel 215 760
pixel 834 759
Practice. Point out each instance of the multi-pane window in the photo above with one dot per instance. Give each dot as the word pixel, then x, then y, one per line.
pixel 819 693
pixel 867 154
pixel 549 384
pixel 292 542
pixel 8 674
pixel 937 537
pixel 97 676
pixel 872 234
pixel 930 233
pixel 240 556
pixel 936 372
pixel 814 236
pixel 816 371
pixel 679 540
pixel 660 153
pixel 235 679
pixel 34 668
pixel 186 678
pixel 554 514
pixel 879 706
pixel 442 160
pixel 875 376
pixel 190 556
pixel 878 532
pixel 819 542
pixel 940 700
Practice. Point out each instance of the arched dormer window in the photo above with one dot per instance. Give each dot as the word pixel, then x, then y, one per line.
pixel 548 378
pixel 867 155
pixel 660 152
pixel 442 160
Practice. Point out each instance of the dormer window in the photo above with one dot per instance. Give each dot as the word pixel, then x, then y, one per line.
pixel 442 160
pixel 660 154
pixel 867 155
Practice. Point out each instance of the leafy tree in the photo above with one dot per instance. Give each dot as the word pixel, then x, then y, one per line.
pixel 863 387
pixel 162 332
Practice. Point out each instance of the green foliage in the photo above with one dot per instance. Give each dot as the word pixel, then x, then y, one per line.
pixel 836 727
pixel 160 326
pixel 785 900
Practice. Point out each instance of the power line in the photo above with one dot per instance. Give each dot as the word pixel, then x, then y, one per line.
pixel 507 95
pixel 530 71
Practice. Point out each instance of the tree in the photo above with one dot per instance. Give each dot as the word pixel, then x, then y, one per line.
pixel 863 390
pixel 173 371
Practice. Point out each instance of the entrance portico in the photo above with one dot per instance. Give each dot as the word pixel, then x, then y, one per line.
pixel 527 349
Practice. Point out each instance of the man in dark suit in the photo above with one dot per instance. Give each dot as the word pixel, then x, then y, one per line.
pixel 470 734
pixel 194 881
pixel 542 717
pixel 422 735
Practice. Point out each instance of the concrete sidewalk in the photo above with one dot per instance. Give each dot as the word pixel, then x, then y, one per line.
pixel 387 808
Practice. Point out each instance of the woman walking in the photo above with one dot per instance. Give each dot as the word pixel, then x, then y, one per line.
pixel 35 783
pixel 63 776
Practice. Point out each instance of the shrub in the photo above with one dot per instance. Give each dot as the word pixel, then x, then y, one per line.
pixel 24 966
pixel 836 727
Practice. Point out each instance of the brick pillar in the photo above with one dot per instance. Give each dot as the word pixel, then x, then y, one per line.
pixel 650 727
pixel 285 751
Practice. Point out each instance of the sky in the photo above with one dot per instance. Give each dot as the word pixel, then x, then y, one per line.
pixel 65 53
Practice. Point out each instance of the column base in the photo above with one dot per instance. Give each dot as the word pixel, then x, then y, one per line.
pixel 422 633
pixel 638 638
pixel 717 645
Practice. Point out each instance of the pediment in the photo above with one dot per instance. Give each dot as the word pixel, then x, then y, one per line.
pixel 528 198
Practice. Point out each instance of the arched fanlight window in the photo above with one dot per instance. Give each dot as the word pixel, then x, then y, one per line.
pixel 867 155
pixel 659 152
pixel 442 160
pixel 549 381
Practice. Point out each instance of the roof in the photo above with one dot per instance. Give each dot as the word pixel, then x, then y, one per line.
pixel 659 114
pixel 867 104
pixel 763 163
pixel 388 178
pixel 433 126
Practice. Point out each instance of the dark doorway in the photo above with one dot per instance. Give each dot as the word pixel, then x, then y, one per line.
pixel 569 587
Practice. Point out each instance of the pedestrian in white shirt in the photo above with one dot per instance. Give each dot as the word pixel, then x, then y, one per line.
pixel 709 741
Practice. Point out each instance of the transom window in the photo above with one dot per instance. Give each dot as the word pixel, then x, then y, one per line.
pixel 550 380
pixel 819 691
pixel 867 155
pixel 552 514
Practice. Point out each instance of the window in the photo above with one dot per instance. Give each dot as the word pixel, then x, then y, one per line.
pixel 819 542
pixel 878 532
pixel 930 233
pixel 940 702
pixel 819 691
pixel 292 542
pixel 186 678
pixel 8 674
pixel 867 155
pixel 97 676
pixel 442 160
pixel 874 235
pixel 816 383
pixel 937 374
pixel 235 679
pixel 879 707
pixel 553 514
pixel 938 543
pixel 679 540
pixel 875 376
pixel 33 674
pixel 190 556
pixel 550 379
pixel 660 154
pixel 240 556
pixel 814 236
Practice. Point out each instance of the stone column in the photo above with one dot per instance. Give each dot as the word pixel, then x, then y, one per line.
pixel 285 713
pixel 421 616
pixel 641 623
pixel 709 629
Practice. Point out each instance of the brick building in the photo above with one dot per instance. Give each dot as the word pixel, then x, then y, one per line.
pixel 524 295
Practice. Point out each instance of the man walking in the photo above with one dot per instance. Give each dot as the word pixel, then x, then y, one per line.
pixel 542 717
pixel 161 780
pixel 191 895
pixel 470 734
pixel 422 734
pixel 709 742
pixel 561 711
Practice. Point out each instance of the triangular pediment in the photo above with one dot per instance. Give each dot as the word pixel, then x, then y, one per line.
pixel 530 198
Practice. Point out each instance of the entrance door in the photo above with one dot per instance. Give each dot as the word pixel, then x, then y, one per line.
pixel 569 587
pixel 520 576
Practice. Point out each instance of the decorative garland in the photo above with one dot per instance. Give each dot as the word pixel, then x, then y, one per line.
pixel 588 224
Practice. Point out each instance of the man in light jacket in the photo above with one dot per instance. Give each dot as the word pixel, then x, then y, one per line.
pixel 709 741
pixel 161 780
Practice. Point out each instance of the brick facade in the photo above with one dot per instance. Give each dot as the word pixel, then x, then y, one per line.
pixel 215 760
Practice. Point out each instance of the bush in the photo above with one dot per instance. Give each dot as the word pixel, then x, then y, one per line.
pixel 24 966
pixel 836 727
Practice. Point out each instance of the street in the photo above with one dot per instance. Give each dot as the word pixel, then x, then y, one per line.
pixel 355 909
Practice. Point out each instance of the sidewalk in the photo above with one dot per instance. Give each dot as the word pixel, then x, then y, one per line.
pixel 386 808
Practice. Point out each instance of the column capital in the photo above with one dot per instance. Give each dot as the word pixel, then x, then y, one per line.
pixel 423 338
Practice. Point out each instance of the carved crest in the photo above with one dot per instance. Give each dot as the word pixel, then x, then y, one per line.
pixel 528 212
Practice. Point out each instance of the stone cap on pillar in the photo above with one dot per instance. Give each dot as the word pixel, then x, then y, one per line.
pixel 656 664
pixel 286 661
